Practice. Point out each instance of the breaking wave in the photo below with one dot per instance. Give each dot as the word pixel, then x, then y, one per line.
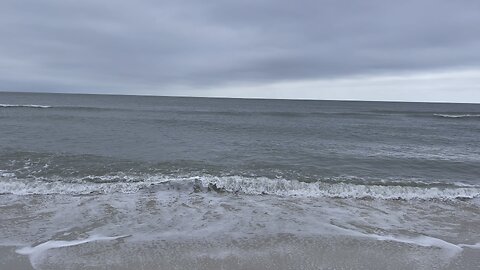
pixel 24 106
pixel 234 184
pixel 457 115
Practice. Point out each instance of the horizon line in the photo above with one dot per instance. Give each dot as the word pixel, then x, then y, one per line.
pixel 245 98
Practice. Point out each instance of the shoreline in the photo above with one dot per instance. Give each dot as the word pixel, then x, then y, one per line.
pixel 280 251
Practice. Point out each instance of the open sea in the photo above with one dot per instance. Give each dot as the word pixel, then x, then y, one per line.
pixel 136 182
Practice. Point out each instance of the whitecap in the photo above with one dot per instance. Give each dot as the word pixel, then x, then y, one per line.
pixel 456 115
pixel 24 106
pixel 282 187
pixel 237 185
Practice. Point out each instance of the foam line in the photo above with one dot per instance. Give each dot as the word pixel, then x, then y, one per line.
pixel 31 251
pixel 474 246
pixel 457 115
pixel 24 106
pixel 241 185
pixel 422 240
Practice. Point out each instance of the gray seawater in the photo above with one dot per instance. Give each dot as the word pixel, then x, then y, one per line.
pixel 202 183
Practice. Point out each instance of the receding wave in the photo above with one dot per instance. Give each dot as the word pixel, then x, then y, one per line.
pixel 457 115
pixel 59 244
pixel 24 106
pixel 232 184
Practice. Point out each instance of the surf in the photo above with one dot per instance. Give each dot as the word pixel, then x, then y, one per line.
pixel 35 106
pixel 238 185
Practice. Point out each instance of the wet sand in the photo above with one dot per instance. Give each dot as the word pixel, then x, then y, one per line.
pixel 271 252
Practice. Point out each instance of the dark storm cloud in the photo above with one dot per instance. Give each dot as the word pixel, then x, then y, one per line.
pixel 128 46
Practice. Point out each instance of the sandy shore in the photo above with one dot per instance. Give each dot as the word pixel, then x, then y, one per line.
pixel 173 229
pixel 281 251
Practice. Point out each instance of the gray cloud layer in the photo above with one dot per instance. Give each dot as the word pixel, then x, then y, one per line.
pixel 123 46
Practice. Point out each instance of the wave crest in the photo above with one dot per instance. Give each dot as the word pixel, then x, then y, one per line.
pixel 24 106
pixel 457 115
pixel 236 185
pixel 283 187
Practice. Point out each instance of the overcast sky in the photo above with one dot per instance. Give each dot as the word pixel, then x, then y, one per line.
pixel 412 50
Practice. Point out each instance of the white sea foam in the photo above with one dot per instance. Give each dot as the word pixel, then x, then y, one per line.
pixel 426 241
pixel 59 244
pixel 457 115
pixel 4 173
pixel 338 190
pixel 24 105
pixel 475 246
pixel 234 184
pixel 40 187
pixel 422 240
pixel 35 253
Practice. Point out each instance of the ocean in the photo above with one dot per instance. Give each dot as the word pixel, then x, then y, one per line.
pixel 141 182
